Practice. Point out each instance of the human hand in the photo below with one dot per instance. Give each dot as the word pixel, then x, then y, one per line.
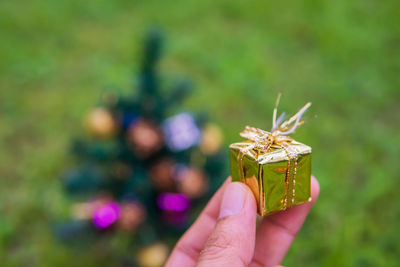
pixel 225 233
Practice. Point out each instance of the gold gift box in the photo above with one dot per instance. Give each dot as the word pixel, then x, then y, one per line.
pixel 274 166
pixel 277 181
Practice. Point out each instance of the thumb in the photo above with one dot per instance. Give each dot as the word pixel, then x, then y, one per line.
pixel 232 241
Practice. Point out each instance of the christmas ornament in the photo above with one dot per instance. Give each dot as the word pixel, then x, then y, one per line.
pixel 181 132
pixel 146 138
pixel 106 215
pixel 85 210
pixel 128 119
pixel 153 256
pixel 173 202
pixel 161 174
pixel 132 215
pixel 174 208
pixel 100 123
pixel 211 139
pixel 192 182
pixel 273 165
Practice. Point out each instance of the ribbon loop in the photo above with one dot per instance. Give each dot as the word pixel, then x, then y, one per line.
pixel 277 138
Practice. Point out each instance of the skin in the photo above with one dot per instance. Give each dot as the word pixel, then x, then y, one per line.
pixel 222 237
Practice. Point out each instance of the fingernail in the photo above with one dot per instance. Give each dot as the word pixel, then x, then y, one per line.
pixel 232 200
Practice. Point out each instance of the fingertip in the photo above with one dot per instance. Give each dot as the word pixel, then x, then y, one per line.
pixel 237 197
pixel 245 188
pixel 315 189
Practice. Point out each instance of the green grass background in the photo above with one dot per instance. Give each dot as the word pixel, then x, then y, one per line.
pixel 58 57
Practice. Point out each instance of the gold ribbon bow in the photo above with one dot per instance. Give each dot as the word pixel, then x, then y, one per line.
pixel 263 141
pixel 277 138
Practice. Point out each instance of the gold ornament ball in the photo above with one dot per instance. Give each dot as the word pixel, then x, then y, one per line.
pixel 85 210
pixel 100 123
pixel 192 182
pixel 153 256
pixel 211 140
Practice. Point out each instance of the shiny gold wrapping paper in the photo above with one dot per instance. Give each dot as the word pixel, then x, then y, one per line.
pixel 266 173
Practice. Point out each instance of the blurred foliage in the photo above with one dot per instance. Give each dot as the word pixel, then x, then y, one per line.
pixel 344 56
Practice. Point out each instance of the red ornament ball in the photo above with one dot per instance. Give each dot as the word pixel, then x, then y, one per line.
pixel 145 137
pixel 192 182
pixel 132 215
pixel 161 175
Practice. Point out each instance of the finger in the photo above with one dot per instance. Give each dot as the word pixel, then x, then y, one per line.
pixel 192 242
pixel 276 232
pixel 232 241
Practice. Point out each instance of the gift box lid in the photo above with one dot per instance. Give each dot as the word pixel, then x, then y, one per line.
pixel 273 155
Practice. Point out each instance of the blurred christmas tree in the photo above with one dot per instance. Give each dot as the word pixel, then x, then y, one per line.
pixel 142 172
